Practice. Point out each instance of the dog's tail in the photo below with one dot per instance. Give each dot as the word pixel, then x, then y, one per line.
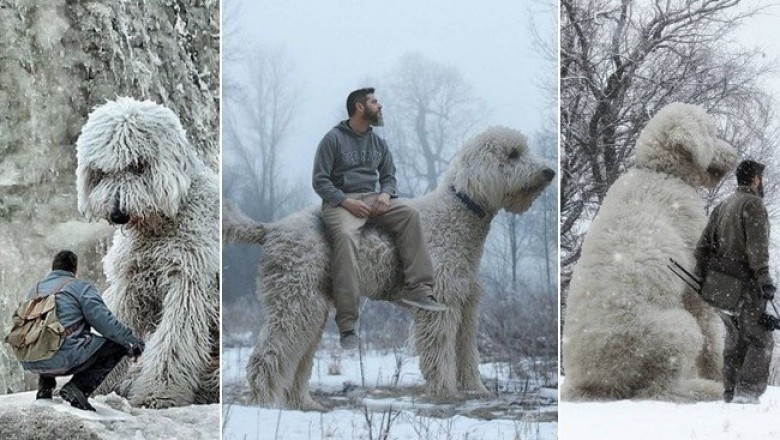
pixel 238 228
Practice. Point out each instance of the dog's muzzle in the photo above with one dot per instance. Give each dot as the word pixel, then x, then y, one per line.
pixel 118 217
pixel 548 174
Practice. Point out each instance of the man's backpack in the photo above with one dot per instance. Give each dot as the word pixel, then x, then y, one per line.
pixel 37 333
pixel 723 291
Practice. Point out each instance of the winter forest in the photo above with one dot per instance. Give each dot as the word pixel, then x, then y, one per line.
pixel 431 109
pixel 621 61
pixel 434 109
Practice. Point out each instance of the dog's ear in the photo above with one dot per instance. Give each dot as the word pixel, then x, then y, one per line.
pixel 690 137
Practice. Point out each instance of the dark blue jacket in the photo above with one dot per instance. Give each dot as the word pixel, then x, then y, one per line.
pixel 78 305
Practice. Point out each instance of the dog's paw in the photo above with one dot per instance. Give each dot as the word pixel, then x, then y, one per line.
pixel 476 390
pixel 310 405
pixel 154 400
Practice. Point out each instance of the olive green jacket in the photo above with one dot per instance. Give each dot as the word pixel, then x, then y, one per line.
pixel 736 239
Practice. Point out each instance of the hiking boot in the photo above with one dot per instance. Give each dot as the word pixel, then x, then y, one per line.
pixel 72 394
pixel 46 387
pixel 749 400
pixel 423 300
pixel 44 393
pixel 349 340
pixel 728 396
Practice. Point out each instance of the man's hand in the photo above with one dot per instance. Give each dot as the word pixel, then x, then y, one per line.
pixel 356 207
pixel 768 291
pixel 381 204
pixel 135 350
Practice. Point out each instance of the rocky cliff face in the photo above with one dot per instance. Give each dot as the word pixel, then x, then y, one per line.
pixel 61 58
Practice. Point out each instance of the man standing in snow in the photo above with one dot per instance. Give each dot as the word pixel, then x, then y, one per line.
pixel 736 242
pixel 351 162
pixel 86 356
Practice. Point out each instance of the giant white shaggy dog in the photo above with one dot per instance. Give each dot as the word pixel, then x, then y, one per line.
pixel 137 169
pixel 632 328
pixel 495 170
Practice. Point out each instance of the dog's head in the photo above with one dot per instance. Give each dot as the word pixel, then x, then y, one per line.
pixel 496 170
pixel 681 140
pixel 134 162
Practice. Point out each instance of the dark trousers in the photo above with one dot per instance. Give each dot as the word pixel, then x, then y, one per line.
pixel 89 375
pixel 747 354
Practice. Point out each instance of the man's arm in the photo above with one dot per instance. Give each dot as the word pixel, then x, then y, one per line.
pixel 101 319
pixel 386 168
pixel 704 247
pixel 324 161
pixel 756 221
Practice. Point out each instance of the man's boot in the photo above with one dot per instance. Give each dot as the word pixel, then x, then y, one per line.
pixel 72 394
pixel 46 385
pixel 424 299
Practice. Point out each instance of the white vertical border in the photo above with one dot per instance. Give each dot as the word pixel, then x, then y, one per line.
pixel 558 203
pixel 219 185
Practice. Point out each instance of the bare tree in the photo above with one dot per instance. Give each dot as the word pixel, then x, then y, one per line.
pixel 430 110
pixel 257 120
pixel 621 61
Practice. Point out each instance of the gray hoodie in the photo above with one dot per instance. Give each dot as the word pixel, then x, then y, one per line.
pixel 352 162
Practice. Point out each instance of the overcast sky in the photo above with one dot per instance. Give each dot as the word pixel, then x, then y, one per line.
pixel 763 32
pixel 335 46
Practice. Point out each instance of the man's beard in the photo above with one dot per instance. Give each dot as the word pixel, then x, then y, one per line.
pixel 375 119
pixel 760 189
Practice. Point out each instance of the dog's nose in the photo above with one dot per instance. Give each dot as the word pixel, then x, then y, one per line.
pixel 117 216
pixel 548 174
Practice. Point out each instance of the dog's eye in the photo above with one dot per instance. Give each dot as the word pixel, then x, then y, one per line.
pixel 513 154
pixel 96 175
pixel 715 172
pixel 137 168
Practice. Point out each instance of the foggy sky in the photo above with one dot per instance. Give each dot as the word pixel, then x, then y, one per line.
pixel 336 46
pixel 762 32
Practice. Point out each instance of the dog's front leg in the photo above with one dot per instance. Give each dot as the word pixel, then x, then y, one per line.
pixel 179 351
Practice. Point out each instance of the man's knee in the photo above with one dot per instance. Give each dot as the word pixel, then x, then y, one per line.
pixel 343 234
pixel 407 211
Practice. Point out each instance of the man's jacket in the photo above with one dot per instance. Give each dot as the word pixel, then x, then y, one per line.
pixel 736 242
pixel 79 306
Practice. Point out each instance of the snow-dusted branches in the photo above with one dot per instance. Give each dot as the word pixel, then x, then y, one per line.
pixel 621 61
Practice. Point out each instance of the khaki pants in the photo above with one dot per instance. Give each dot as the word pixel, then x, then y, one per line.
pixel 403 223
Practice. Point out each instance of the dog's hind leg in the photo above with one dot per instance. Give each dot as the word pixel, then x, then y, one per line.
pixel 293 318
pixel 299 396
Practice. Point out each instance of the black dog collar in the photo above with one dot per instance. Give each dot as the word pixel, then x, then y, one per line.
pixel 472 205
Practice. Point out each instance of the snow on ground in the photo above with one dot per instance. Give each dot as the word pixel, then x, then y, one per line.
pixel 242 422
pixel 390 387
pixel 651 420
pixel 23 417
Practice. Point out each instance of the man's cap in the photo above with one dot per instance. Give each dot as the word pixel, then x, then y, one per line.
pixel 747 170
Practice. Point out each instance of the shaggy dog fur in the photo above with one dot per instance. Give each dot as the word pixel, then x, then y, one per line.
pixel 163 265
pixel 632 328
pixel 495 170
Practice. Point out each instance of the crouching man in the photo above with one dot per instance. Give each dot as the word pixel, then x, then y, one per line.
pixel 86 356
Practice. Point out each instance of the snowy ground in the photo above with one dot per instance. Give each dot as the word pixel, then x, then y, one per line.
pixel 651 420
pixel 23 417
pixel 390 389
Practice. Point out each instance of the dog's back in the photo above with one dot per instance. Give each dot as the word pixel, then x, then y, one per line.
pixel 621 294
